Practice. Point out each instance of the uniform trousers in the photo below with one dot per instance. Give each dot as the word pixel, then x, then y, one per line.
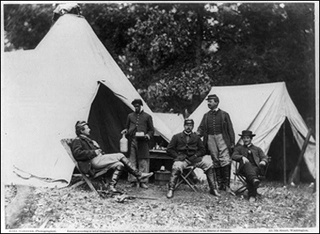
pixel 204 164
pixel 139 157
pixel 108 161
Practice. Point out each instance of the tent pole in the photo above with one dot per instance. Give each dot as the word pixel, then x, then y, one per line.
pixel 284 154
pixel 303 150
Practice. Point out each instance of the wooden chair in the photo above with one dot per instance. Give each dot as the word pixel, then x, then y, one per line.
pixel 86 179
pixel 185 177
pixel 242 178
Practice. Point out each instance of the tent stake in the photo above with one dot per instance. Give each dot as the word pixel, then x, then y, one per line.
pixel 284 154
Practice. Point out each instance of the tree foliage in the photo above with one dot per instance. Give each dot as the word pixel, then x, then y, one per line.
pixel 174 53
pixel 26 24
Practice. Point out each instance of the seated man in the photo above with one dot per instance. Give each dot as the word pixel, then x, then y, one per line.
pixel 187 149
pixel 89 154
pixel 252 160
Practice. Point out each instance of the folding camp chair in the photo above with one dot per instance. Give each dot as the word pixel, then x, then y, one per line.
pixel 242 178
pixel 185 177
pixel 87 179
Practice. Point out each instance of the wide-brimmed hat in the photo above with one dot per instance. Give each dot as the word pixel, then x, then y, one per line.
pixel 247 133
pixel 213 96
pixel 137 101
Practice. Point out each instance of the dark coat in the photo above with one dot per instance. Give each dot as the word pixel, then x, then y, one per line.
pixel 83 150
pixel 141 122
pixel 227 129
pixel 242 151
pixel 180 150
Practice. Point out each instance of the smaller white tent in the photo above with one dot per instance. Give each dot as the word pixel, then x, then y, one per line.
pixel 172 120
pixel 261 108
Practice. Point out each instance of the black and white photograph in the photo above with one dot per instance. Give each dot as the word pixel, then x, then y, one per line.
pixel 160 116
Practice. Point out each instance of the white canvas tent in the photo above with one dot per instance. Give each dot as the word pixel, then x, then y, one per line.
pixel 172 120
pixel 46 90
pixel 261 108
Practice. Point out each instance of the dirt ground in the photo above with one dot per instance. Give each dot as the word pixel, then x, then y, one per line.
pixel 73 209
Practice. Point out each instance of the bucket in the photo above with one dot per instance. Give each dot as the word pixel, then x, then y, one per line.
pixel 161 177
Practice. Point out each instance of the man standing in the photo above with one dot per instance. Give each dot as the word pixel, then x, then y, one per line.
pixel 218 136
pixel 139 130
pixel 252 162
pixel 90 156
pixel 187 149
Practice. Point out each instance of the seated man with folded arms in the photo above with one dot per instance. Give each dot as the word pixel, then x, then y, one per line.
pixel 252 160
pixel 89 154
pixel 187 149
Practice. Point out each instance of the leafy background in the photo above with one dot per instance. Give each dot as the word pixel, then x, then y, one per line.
pixel 174 52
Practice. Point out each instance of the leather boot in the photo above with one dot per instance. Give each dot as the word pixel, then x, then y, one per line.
pixel 135 184
pixel 212 182
pixel 170 193
pixel 175 173
pixel 140 175
pixel 218 172
pixel 115 177
pixel 226 177
pixel 255 183
pixel 143 185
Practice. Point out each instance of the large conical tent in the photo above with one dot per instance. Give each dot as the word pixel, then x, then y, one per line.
pixel 262 108
pixel 69 76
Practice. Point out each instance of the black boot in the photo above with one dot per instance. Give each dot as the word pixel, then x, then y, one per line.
pixel 140 175
pixel 175 173
pixel 219 174
pixel 212 182
pixel 226 177
pixel 115 177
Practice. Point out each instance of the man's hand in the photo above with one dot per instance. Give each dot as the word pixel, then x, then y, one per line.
pixel 245 160
pixel 193 157
pixel 181 157
pixel 98 151
pixel 231 148
pixel 124 131
pixel 262 163
pixel 147 137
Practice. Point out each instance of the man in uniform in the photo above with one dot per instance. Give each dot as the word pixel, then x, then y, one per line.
pixel 219 138
pixel 139 130
pixel 187 149
pixel 90 156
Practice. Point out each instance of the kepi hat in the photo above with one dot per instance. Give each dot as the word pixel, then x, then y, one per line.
pixel 213 96
pixel 188 121
pixel 80 124
pixel 137 101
